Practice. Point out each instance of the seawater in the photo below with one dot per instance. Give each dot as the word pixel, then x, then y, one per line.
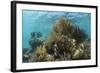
pixel 43 21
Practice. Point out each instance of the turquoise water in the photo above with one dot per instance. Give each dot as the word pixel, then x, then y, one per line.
pixel 43 21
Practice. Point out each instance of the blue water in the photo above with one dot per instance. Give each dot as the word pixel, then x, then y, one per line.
pixel 43 21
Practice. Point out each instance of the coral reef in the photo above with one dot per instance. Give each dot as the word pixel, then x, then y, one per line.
pixel 35 40
pixel 65 42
